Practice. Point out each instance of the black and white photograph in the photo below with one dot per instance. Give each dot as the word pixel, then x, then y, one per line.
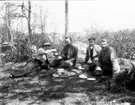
pixel 67 52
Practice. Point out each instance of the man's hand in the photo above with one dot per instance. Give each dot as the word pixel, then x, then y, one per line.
pixel 114 77
pixel 86 66
pixel 96 59
pixel 69 62
pixel 59 57
pixel 98 68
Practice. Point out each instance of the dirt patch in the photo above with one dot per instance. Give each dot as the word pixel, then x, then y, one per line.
pixel 43 89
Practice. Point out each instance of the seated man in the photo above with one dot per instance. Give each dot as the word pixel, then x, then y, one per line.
pixel 47 53
pixel 39 61
pixel 108 60
pixel 32 66
pixel 68 55
pixel 92 54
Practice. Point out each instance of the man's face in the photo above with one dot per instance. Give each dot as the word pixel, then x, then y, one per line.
pixel 104 44
pixel 67 41
pixel 91 43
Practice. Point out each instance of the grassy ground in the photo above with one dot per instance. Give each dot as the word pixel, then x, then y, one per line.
pixel 42 89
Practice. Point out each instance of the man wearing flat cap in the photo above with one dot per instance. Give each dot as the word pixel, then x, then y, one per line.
pixel 92 55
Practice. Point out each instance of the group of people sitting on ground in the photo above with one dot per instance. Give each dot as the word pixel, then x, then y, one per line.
pixel 102 58
pixel 97 58
pixel 65 59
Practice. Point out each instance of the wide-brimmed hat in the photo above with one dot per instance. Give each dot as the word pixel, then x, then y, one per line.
pixel 46 44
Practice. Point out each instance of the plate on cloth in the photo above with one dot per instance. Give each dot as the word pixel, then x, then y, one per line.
pixel 81 68
pixel 82 76
pixel 59 57
pixel 92 79
pixel 55 75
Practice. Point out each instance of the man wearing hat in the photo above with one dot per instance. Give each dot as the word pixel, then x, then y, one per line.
pixel 39 61
pixel 42 53
pixel 45 47
pixel 92 55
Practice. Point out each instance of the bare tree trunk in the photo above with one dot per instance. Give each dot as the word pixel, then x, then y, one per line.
pixel 43 17
pixel 66 18
pixel 29 20
pixel 8 24
pixel 41 24
pixel 45 23
pixel 10 35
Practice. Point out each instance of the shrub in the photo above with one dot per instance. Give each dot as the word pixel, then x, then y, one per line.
pixel 122 41
pixel 22 51
pixel 19 52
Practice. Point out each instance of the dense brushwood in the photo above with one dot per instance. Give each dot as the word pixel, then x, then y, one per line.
pixel 126 79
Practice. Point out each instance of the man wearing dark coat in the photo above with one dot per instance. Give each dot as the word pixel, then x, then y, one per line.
pixel 108 60
pixel 68 55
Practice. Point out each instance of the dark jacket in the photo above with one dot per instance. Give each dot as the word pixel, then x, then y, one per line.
pixel 108 60
pixel 70 52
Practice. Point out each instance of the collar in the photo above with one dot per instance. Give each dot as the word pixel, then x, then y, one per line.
pixel 91 47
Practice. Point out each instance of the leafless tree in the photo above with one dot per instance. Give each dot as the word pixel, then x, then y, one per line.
pixel 66 18
pixel 26 10
pixel 43 17
pixel 8 16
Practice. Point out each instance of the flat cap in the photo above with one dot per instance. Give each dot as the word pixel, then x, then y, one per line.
pixel 91 38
